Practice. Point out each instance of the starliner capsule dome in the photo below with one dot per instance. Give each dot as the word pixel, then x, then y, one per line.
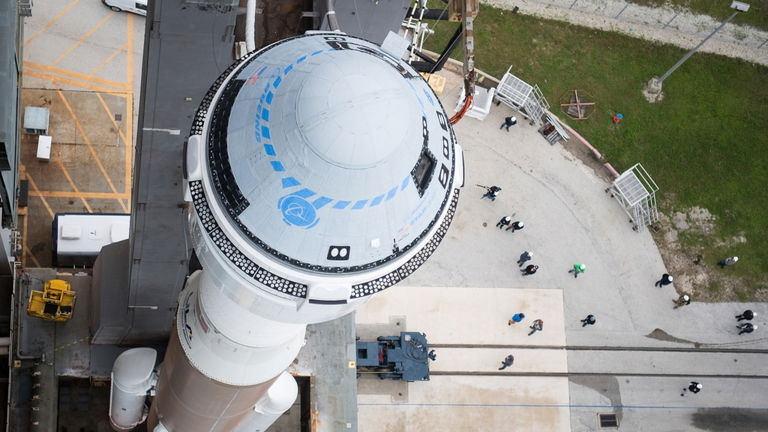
pixel 323 155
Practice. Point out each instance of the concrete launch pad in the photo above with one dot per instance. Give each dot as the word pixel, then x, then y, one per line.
pixel 467 327
pixel 632 363
pixel 90 168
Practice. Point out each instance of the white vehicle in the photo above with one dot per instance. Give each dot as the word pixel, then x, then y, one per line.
pixel 135 6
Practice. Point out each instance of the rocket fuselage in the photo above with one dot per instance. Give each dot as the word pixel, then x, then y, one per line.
pixel 320 170
pixel 191 401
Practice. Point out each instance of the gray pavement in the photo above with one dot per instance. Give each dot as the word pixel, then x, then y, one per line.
pixel 570 219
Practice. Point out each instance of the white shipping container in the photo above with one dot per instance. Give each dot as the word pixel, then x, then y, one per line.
pixel 79 237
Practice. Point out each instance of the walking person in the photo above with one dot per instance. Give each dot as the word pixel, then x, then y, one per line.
pixel 531 269
pixel 537 326
pixel 666 279
pixel 694 387
pixel 728 261
pixel 578 268
pixel 589 320
pixel 683 300
pixel 517 225
pixel 491 192
pixel 524 257
pixel 507 362
pixel 746 315
pixel 504 222
pixel 516 318
pixel 746 328
pixel 508 123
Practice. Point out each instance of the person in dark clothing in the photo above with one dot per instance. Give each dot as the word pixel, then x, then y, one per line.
pixel 537 326
pixel 504 222
pixel 589 320
pixel 683 300
pixel 517 225
pixel 747 315
pixel 491 193
pixel 508 123
pixel 666 279
pixel 746 328
pixel 728 261
pixel 531 269
pixel 693 387
pixel 524 257
pixel 507 362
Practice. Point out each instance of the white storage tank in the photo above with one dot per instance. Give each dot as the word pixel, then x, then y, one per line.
pixel 132 378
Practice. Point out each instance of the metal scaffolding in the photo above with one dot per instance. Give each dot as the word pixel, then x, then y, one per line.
pixel 636 191
pixel 519 95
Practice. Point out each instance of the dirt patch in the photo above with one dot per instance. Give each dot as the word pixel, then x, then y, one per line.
pixel 696 273
pixel 693 275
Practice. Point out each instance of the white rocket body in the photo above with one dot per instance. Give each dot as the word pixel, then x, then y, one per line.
pixel 320 170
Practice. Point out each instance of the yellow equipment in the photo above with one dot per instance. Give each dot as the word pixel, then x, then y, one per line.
pixel 54 303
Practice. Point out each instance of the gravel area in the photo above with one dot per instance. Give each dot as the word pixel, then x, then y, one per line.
pixel 667 25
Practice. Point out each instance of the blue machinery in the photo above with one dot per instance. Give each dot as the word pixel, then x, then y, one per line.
pixel 405 357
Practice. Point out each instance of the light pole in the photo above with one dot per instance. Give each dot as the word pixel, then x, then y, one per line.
pixel 652 90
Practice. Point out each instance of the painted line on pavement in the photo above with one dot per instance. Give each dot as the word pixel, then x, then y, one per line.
pixel 70 194
pixel 58 80
pixel 60 163
pixel 75 75
pixel 168 131
pixel 51 22
pixel 84 38
pixel 90 146
pixel 107 60
pixel 36 189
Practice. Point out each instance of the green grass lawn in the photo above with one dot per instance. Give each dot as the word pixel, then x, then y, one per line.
pixel 705 145
pixel 757 16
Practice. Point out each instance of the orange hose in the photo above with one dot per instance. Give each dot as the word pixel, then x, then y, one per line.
pixel 459 115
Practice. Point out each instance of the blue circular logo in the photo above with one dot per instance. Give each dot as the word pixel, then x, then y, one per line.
pixel 297 211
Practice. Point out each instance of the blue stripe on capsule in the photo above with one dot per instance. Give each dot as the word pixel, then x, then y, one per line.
pixel 269 150
pixel 341 205
pixel 277 166
pixel 277 81
pixel 321 202
pixel 360 204
pixel 406 180
pixel 317 52
pixel 301 59
pixel 265 132
pixel 289 182
pixel 429 97
pixel 265 114
pixel 376 201
pixel 304 193
pixel 287 69
pixel 391 193
pixel 270 95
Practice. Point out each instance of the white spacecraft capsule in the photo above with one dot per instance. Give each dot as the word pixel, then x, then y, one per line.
pixel 320 170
